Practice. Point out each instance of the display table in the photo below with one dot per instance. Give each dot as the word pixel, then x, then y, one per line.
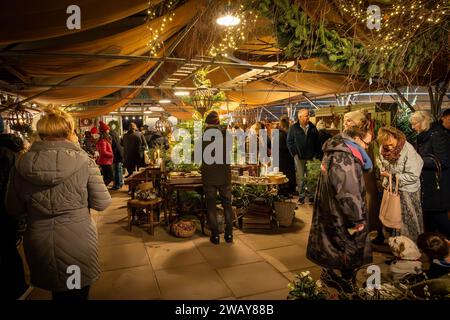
pixel 184 184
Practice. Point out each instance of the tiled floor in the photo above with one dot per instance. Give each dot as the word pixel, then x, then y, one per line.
pixel 137 265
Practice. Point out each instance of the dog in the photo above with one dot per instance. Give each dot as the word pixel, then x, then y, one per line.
pixel 407 257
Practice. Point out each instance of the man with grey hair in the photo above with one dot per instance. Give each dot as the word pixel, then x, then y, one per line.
pixel 303 144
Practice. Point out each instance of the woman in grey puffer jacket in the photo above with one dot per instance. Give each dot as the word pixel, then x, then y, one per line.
pixel 55 184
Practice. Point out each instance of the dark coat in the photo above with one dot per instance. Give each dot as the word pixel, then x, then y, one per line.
pixel 10 146
pixel 287 165
pixel 306 146
pixel 215 174
pixel 116 146
pixel 324 135
pixel 340 204
pixel 435 143
pixel 133 149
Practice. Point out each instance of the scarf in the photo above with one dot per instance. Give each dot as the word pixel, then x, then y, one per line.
pixel 359 153
pixel 393 155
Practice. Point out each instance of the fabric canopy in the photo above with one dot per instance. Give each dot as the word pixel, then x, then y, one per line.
pixel 105 109
pixel 130 42
pixel 28 20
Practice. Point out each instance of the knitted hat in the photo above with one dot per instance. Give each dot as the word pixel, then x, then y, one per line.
pixel 2 124
pixel 103 126
pixel 94 130
pixel 212 118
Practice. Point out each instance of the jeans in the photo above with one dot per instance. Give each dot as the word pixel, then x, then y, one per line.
pixel 107 173
pixel 300 172
pixel 118 175
pixel 225 197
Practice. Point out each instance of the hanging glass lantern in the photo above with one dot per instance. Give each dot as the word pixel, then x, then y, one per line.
pixel 202 100
pixel 245 115
pixel 19 119
pixel 163 125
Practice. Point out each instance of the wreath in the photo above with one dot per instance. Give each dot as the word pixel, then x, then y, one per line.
pixel 114 125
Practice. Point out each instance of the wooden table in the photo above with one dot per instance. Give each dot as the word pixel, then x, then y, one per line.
pixel 176 186
pixel 153 174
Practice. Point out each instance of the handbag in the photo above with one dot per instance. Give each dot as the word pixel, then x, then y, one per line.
pixel 390 210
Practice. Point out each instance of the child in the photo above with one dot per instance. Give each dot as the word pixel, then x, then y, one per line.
pixel 436 247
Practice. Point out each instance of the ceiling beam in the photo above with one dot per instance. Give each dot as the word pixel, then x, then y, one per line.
pixel 157 87
pixel 77 55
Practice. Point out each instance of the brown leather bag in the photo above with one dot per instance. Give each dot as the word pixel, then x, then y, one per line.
pixel 391 211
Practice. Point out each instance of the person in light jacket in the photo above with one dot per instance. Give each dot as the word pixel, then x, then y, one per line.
pixel 400 160
pixel 55 184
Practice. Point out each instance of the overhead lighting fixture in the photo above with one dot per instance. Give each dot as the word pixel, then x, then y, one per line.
pixel 165 101
pixel 188 68
pixel 181 93
pixel 148 112
pixel 228 21
pixel 180 74
pixel 173 79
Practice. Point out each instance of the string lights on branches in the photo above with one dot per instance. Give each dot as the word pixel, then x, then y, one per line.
pixel 154 11
pixel 236 25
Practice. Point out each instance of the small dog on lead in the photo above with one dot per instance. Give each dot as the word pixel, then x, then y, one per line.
pixel 407 257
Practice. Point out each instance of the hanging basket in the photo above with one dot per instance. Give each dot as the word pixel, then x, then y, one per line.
pixel 285 212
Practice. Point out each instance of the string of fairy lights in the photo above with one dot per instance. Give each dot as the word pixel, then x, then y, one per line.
pixel 400 21
pixel 233 36
pixel 156 43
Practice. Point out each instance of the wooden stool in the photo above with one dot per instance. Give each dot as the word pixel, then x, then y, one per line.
pixel 147 206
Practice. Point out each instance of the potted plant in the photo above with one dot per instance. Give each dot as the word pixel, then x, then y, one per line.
pixel 305 288
pixel 284 210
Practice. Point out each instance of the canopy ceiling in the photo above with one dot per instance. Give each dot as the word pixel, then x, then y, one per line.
pixel 105 57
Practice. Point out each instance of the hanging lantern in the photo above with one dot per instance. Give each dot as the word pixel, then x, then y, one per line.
pixel 202 100
pixel 19 119
pixel 163 125
pixel 244 115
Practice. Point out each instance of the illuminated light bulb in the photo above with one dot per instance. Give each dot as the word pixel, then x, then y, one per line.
pixel 228 21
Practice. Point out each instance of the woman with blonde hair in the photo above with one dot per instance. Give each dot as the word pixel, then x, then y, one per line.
pixel 403 164
pixel 433 145
pixel 55 184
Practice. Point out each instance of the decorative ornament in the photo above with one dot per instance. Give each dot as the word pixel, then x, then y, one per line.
pixel 163 125
pixel 86 122
pixel 19 119
pixel 114 125
pixel 202 99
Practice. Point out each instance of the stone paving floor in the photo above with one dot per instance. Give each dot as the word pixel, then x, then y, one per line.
pixel 136 265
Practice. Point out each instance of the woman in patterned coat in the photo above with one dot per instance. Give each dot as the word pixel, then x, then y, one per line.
pixel 338 236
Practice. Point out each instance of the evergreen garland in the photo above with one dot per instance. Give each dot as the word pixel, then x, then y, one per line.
pixel 300 37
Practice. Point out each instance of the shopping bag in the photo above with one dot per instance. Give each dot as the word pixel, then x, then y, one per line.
pixel 390 210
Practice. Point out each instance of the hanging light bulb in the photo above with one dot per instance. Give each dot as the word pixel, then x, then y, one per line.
pixel 228 20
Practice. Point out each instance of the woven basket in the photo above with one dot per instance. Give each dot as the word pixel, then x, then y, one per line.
pixel 184 229
pixel 285 212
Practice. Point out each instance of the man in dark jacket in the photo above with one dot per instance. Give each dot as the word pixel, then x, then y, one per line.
pixel 303 144
pixel 118 160
pixel 216 176
pixel 13 280
pixel 133 149
pixel 445 120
